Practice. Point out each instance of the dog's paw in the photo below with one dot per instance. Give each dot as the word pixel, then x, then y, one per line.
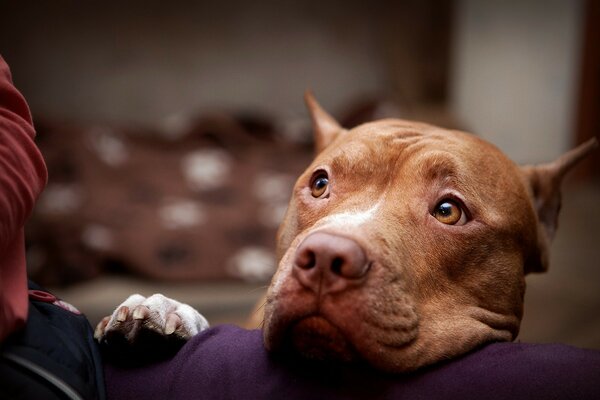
pixel 148 328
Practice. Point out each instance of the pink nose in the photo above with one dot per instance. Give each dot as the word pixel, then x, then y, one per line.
pixel 329 263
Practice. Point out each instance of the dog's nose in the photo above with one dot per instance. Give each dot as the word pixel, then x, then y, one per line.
pixel 329 262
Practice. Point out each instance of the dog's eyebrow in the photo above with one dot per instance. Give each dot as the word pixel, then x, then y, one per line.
pixel 407 135
pixel 438 167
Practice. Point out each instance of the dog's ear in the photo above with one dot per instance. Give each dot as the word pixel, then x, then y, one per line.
pixel 545 181
pixel 325 127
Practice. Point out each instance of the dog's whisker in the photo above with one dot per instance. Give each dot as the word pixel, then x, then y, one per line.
pixel 258 310
pixel 262 287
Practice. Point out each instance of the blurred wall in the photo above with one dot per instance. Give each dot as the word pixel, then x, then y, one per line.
pixel 512 80
pixel 515 73
pixel 142 61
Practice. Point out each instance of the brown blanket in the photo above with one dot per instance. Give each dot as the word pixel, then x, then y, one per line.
pixel 202 201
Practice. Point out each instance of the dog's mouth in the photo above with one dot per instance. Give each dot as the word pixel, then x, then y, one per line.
pixel 316 338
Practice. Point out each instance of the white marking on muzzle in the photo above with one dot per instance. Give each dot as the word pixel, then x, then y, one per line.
pixel 340 222
pixel 349 219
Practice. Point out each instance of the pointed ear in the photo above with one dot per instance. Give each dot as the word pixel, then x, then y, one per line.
pixel 545 181
pixel 325 127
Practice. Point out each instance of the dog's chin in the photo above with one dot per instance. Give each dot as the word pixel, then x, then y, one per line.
pixel 315 338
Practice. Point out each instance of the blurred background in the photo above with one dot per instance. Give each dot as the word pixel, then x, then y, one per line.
pixel 173 131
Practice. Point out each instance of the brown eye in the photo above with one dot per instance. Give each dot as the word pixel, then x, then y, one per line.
pixel 450 213
pixel 319 184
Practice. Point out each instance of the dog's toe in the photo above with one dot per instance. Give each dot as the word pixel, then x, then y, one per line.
pixel 141 312
pixel 101 327
pixel 173 323
pixel 122 314
pixel 148 327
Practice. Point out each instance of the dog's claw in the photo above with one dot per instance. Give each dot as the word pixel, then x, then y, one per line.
pixel 99 331
pixel 141 312
pixel 122 314
pixel 173 323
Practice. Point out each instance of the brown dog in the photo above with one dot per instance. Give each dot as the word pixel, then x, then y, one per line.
pixel 404 244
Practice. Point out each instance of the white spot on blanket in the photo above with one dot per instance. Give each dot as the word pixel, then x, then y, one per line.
pixel 273 190
pixel 97 237
pixel 273 187
pixel 178 214
pixel 60 199
pixel 107 145
pixel 206 169
pixel 176 126
pixel 252 263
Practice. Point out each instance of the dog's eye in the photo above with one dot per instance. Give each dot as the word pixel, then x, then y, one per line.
pixel 449 212
pixel 319 184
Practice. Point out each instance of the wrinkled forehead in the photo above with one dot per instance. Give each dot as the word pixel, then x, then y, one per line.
pixel 407 141
pixel 390 149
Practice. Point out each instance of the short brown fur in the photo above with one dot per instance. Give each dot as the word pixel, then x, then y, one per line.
pixel 434 291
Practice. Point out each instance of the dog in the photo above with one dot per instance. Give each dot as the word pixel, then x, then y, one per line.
pixel 404 244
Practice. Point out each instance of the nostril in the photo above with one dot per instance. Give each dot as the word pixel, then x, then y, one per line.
pixel 336 260
pixel 336 265
pixel 306 260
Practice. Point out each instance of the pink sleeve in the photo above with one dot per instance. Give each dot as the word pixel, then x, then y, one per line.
pixel 22 177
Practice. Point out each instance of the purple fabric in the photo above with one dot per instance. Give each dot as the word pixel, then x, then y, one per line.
pixel 227 362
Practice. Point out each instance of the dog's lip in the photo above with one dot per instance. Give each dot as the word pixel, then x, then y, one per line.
pixel 316 337
pixel 397 345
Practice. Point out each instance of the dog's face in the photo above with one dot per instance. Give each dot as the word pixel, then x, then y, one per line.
pixel 404 244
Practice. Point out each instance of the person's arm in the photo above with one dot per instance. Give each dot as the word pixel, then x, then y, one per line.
pixel 23 175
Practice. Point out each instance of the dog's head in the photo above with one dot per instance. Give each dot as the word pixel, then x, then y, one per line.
pixel 405 244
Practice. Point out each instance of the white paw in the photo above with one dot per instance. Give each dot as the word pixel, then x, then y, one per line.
pixel 156 315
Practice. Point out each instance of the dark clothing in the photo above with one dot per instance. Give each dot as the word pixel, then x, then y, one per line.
pixel 54 356
pixel 227 362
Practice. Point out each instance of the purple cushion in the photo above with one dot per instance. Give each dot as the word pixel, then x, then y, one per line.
pixel 227 362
